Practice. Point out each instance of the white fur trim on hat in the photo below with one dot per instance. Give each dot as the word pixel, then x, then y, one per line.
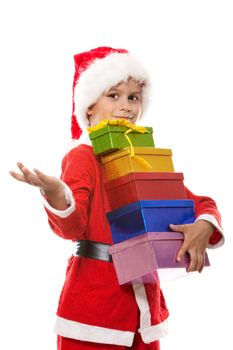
pixel 101 75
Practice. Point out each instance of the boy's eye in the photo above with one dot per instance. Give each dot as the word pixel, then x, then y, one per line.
pixel 113 95
pixel 133 98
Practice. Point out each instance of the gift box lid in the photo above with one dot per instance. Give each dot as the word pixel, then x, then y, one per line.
pixel 146 237
pixel 116 128
pixel 139 205
pixel 143 176
pixel 138 150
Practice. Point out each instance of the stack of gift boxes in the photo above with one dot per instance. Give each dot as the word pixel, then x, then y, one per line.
pixel 145 196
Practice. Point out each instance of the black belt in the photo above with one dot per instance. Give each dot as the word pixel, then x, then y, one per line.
pixel 93 250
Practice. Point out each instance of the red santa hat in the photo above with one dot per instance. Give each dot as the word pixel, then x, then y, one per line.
pixel 96 71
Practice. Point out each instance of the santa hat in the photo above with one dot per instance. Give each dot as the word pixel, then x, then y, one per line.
pixel 96 71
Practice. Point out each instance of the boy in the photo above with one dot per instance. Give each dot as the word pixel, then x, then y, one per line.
pixel 94 312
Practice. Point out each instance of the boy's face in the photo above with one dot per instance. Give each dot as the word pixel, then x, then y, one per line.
pixel 121 101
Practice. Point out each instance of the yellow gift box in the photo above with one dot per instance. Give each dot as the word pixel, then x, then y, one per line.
pixel 144 159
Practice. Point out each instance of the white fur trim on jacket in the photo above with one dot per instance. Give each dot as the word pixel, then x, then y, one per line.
pixel 101 76
pixel 155 332
pixel 210 218
pixel 69 200
pixel 85 332
pixel 149 332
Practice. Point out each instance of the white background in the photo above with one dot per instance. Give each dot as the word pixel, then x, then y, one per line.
pixel 187 46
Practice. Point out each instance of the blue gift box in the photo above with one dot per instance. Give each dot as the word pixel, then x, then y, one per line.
pixel 149 216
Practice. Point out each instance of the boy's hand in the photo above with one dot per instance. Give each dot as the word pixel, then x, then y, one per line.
pixel 51 185
pixel 196 238
pixel 37 178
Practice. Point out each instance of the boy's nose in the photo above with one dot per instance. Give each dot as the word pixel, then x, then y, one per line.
pixel 127 109
pixel 125 105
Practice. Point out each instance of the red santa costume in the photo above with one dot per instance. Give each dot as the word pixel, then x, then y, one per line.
pixel 93 307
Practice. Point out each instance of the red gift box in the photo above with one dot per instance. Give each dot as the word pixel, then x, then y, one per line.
pixel 144 186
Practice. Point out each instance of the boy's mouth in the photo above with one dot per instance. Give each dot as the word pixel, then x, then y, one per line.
pixel 123 117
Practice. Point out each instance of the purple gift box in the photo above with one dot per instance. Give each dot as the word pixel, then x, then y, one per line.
pixel 139 259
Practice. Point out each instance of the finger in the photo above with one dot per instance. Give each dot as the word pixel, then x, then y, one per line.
pixel 199 265
pixel 24 170
pixel 181 252
pixel 20 165
pixel 203 263
pixel 17 176
pixel 29 176
pixel 193 261
pixel 177 228
pixel 41 175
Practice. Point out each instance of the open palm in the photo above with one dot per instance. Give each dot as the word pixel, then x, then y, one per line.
pixel 36 178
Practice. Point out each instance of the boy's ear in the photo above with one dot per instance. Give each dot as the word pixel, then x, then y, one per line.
pixel 90 111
